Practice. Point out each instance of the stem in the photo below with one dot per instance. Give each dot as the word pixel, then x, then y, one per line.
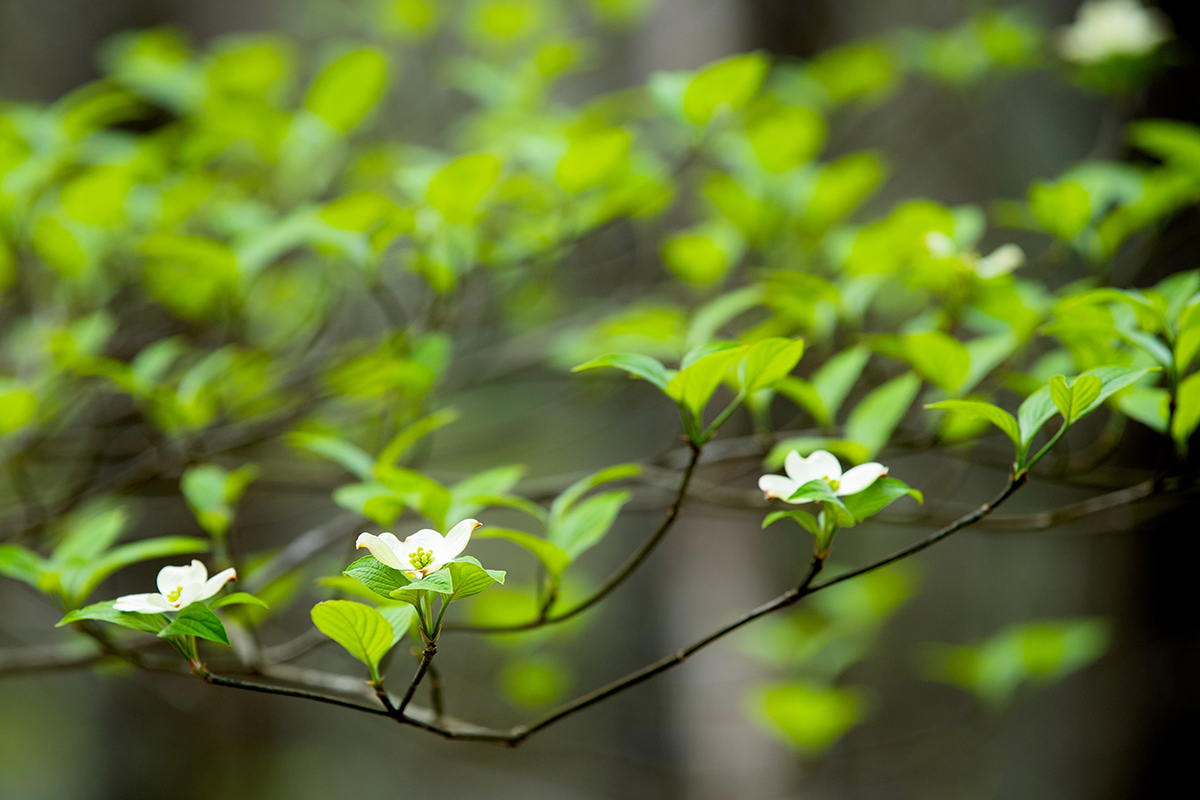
pixel 426 656
pixel 711 430
pixel 217 680
pixel 1046 448
pixel 618 577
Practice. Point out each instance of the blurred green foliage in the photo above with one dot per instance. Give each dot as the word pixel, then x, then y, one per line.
pixel 250 245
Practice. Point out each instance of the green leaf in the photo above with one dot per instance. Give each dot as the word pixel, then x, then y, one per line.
pixel 711 316
pixel 552 557
pixel 417 491
pixel 457 190
pixel 786 136
pixel 592 158
pixel 402 442
pixel 1148 405
pixel 212 492
pixel 562 504
pixel 768 361
pixel 641 366
pixel 17 408
pixel 104 612
pixel 693 385
pixel 439 582
pixel 872 421
pixel 587 523
pixel 373 500
pixel 1033 413
pixel 197 620
pixel 806 520
pixel 468 577
pixel 401 616
pixel 364 632
pixel 730 83
pixel 346 90
pixel 237 599
pixel 376 576
pixel 89 532
pixel 837 376
pixel 804 394
pixel 810 717
pixel 20 564
pixel 351 456
pixel 938 358
pixel 1071 400
pixel 1112 380
pixel 1062 209
pixel 878 496
pixel 132 553
pixel 816 491
pixel 981 410
pixel 1187 410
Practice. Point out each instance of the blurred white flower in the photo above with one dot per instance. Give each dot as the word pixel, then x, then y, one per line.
pixel 178 587
pixel 821 465
pixel 1107 28
pixel 1001 261
pixel 424 552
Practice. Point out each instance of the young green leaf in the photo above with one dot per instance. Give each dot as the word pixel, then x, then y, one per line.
pixel 346 91
pixel 694 384
pixel 197 620
pixel 938 358
pixel 403 441
pixel 587 523
pixel 805 519
pixel 1071 400
pixel 768 361
pixel 87 579
pixel 376 576
pixel 21 564
pixel 562 504
pixel 237 599
pixel 364 632
pixel 1187 410
pixel 837 376
pixel 872 421
pixel 876 497
pixel 468 577
pixel 641 366
pixel 552 557
pixel 351 456
pixel 981 410
pixel 730 83
pixel 104 612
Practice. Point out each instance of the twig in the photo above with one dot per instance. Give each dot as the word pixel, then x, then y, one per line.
pixel 426 656
pixel 614 580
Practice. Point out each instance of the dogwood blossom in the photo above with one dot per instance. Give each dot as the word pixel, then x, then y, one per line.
pixel 1004 259
pixel 422 553
pixel 1107 28
pixel 178 587
pixel 821 465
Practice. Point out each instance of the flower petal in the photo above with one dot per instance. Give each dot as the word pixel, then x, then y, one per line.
pixel 427 538
pixel 859 478
pixel 143 603
pixel 214 584
pixel 171 578
pixel 777 486
pixel 456 540
pixel 821 464
pixel 379 548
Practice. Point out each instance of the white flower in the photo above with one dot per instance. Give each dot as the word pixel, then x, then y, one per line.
pixel 1107 28
pixel 178 587
pixel 821 465
pixel 424 552
pixel 1001 261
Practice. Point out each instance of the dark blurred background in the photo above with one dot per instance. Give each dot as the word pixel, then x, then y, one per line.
pixel 1125 727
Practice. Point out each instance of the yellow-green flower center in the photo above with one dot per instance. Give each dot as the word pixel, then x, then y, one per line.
pixel 833 484
pixel 420 558
pixel 174 595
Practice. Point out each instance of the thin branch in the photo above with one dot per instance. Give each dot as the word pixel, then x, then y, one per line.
pixel 426 656
pixel 48 658
pixel 614 580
